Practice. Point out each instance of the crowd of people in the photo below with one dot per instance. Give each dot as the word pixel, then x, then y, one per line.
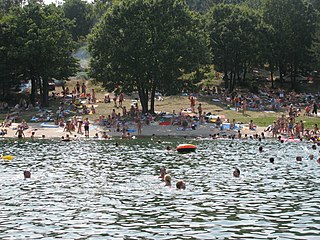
pixel 131 120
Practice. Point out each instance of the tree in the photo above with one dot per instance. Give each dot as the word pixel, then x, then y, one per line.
pixel 145 46
pixel 81 14
pixel 41 46
pixel 234 33
pixel 6 5
pixel 315 4
pixel 293 24
pixel 7 56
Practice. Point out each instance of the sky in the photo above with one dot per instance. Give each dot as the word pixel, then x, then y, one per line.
pixel 58 1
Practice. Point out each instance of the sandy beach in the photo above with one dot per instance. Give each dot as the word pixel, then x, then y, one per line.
pixel 154 129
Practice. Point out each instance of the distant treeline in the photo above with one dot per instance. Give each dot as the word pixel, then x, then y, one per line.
pixel 156 45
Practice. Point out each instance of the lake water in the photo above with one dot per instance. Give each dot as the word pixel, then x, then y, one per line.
pixel 95 190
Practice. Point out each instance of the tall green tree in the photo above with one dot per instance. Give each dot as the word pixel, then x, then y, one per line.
pixel 315 4
pixel 8 65
pixel 145 46
pixel 6 5
pixel 234 33
pixel 41 46
pixel 81 14
pixel 293 24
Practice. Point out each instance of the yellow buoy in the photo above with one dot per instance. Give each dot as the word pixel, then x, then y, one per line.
pixel 7 157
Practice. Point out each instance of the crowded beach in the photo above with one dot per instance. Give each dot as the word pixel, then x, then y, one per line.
pixel 77 116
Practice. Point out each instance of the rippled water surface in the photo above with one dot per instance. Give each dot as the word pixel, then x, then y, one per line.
pixel 95 190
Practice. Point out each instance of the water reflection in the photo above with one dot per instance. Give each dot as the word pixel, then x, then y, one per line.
pixel 95 190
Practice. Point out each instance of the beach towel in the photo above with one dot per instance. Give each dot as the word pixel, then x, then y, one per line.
pixel 184 129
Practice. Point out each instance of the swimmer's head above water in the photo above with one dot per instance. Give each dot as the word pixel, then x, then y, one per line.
pixel 167 180
pixel 163 172
pixel 236 172
pixel 27 174
pixel 181 185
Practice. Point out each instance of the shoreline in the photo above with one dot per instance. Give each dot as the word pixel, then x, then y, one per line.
pixel 201 131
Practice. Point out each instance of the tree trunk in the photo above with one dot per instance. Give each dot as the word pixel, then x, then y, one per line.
pixel 244 74
pixel 33 90
pixel 45 93
pixel 281 73
pixel 153 93
pixel 293 76
pixel 143 95
pixel 226 80
pixel 272 82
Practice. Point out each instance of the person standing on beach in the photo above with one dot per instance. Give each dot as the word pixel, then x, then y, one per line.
pixel 315 108
pixel 192 103
pixel 20 132
pixel 200 110
pixel 139 125
pixel 80 122
pixel 121 98
pixel 93 97
pixel 84 89
pixel 244 106
pixel 115 100
pixel 78 88
pixel 86 127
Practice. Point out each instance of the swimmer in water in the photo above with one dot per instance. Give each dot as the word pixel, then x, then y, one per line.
pixel 236 172
pixel 27 174
pixel 167 180
pixel 298 158
pixel 181 185
pixel 311 156
pixel 318 161
pixel 260 149
pixel 271 160
pixel 169 148
pixel 163 172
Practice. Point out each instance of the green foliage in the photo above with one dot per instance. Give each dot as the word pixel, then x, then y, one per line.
pixel 235 33
pixel 38 46
pixel 292 25
pixel 315 49
pixel 146 46
pixel 81 14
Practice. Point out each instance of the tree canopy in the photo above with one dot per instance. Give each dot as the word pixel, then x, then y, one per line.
pixel 37 45
pixel 293 25
pixel 81 14
pixel 146 46
pixel 156 45
pixel 234 33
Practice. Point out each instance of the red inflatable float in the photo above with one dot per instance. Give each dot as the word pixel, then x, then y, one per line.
pixel 186 148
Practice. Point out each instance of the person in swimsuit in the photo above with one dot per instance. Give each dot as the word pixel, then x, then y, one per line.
pixel 20 132
pixel 86 127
